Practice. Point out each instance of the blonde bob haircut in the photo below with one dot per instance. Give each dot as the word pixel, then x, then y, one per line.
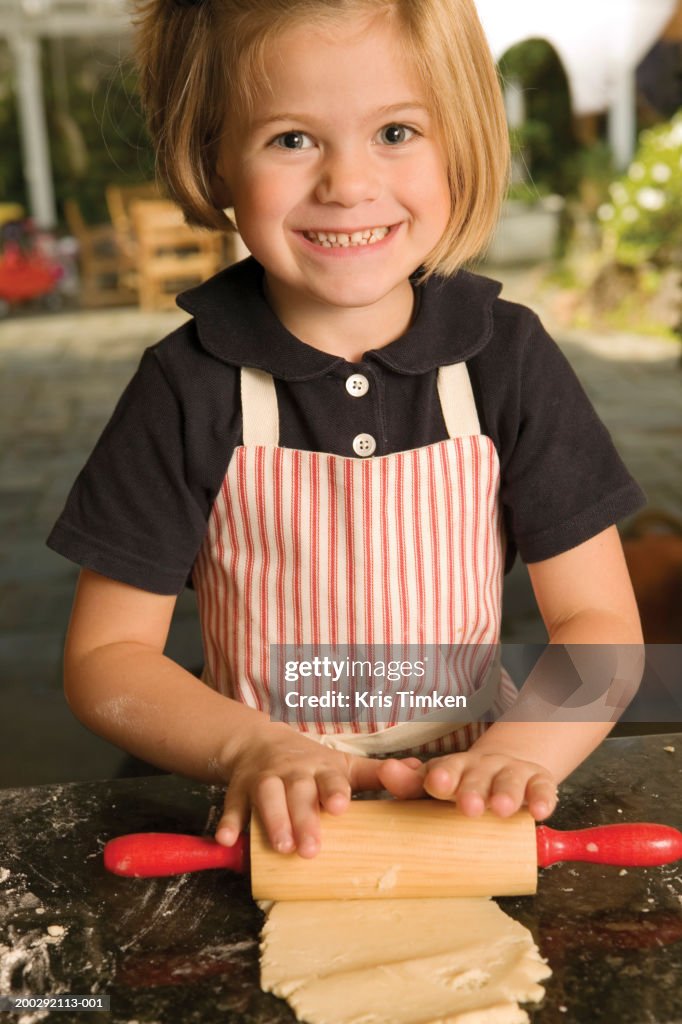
pixel 202 64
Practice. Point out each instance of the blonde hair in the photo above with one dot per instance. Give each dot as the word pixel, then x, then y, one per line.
pixel 202 62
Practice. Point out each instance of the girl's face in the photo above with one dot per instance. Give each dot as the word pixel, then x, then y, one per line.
pixel 345 146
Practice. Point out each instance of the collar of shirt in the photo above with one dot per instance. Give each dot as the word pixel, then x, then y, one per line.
pixel 453 320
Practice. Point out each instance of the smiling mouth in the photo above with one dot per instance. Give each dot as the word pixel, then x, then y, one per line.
pixel 342 240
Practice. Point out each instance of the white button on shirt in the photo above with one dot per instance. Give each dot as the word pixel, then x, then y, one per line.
pixel 364 444
pixel 357 385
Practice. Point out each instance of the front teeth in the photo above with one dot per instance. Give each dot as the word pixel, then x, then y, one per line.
pixel 331 241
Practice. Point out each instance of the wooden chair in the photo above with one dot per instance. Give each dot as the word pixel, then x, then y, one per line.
pixel 170 255
pixel 99 261
pixel 119 199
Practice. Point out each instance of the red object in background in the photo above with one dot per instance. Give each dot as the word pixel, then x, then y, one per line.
pixel 25 275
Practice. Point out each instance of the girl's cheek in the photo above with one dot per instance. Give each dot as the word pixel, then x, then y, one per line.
pixel 274 195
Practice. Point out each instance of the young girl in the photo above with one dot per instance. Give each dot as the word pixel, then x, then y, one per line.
pixel 352 437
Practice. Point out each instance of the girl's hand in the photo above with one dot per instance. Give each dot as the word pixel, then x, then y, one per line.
pixel 287 778
pixel 475 781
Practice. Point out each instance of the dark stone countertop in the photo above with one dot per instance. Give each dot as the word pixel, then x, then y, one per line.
pixel 186 949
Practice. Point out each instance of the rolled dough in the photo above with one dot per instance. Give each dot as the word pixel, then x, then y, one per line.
pixel 420 961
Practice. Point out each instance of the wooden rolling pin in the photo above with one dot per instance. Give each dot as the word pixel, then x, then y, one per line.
pixel 393 848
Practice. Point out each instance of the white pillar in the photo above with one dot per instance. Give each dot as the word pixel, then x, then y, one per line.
pixel 514 103
pixel 515 107
pixel 622 120
pixel 33 129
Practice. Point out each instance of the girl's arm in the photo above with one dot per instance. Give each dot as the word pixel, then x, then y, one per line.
pixel 120 684
pixel 585 598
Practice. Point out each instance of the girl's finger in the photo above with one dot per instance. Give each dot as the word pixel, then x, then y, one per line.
pixel 304 812
pixel 507 791
pixel 442 778
pixel 541 796
pixel 270 800
pixel 234 817
pixel 363 773
pixel 402 780
pixel 334 791
pixel 472 791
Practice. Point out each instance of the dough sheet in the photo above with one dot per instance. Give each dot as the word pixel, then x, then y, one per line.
pixel 400 961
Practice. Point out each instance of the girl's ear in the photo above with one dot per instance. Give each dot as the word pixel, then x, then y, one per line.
pixel 220 191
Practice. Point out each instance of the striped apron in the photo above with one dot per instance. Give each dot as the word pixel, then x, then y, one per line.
pixel 308 548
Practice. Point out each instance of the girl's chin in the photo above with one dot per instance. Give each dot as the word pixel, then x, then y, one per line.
pixel 322 295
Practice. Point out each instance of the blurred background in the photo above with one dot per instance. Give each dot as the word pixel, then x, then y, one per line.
pixel 92 254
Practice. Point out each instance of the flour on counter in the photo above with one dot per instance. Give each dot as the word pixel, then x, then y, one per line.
pixel 25 968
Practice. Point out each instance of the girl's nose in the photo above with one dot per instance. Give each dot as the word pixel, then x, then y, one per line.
pixel 348 178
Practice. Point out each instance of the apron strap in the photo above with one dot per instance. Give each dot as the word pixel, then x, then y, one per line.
pixel 457 401
pixel 260 416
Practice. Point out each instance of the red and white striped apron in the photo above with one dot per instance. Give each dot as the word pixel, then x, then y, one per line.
pixel 308 548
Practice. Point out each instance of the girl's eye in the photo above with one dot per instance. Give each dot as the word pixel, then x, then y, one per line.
pixel 291 140
pixel 394 134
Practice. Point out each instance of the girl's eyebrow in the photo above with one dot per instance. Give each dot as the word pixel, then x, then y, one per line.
pixel 392 108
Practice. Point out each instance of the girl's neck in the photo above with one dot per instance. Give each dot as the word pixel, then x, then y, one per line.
pixel 347 332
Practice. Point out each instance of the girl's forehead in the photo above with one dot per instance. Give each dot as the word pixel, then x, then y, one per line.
pixel 340 63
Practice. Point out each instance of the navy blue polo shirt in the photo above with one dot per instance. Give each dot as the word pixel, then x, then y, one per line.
pixel 139 508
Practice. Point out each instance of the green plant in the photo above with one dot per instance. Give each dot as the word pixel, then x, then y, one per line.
pixel 593 169
pixel 527 192
pixel 12 185
pixel 546 141
pixel 97 135
pixel 642 220
pixel 95 129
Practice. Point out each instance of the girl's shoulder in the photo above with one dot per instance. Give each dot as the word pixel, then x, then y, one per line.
pixel 477 323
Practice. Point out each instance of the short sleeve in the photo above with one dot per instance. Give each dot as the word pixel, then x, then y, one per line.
pixel 563 481
pixel 131 514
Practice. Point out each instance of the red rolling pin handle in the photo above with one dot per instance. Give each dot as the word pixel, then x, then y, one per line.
pixel 638 845
pixel 151 854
